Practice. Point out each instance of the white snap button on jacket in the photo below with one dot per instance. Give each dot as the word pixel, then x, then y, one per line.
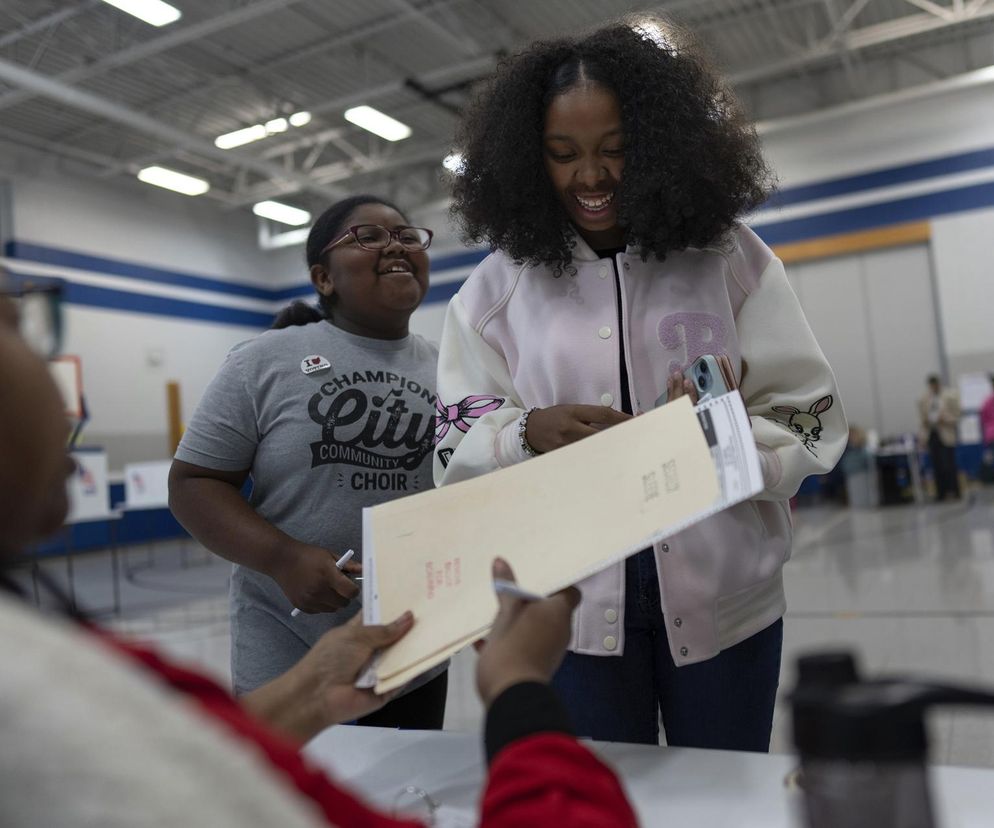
pixel 603 271
pixel 606 399
pixel 604 333
pixel 610 616
pixel 610 642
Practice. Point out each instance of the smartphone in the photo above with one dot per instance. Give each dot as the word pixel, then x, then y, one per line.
pixel 710 375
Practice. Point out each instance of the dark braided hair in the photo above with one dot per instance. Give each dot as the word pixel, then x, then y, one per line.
pixel 692 161
pixel 329 225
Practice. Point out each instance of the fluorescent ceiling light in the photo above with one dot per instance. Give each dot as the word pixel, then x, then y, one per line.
pixel 241 136
pixel 376 122
pixel 257 132
pixel 172 180
pixel 154 12
pixel 455 163
pixel 283 213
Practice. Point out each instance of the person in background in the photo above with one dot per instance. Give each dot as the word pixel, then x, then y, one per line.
pixel 328 413
pixel 98 731
pixel 939 413
pixel 608 173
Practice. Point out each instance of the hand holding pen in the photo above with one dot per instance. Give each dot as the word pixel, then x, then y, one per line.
pixel 315 579
pixel 529 636
pixel 339 565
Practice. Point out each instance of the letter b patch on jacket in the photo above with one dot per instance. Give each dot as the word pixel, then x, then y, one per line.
pixel 692 335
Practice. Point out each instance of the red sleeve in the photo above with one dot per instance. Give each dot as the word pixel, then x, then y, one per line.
pixel 338 806
pixel 551 779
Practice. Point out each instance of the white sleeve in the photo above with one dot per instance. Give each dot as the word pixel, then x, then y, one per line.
pixel 478 408
pixel 788 387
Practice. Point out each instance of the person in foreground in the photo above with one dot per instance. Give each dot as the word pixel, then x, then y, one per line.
pixel 98 731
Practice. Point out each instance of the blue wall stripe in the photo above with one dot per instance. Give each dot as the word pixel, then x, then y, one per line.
pixel 130 270
pixel 294 292
pixel 113 267
pixel 469 258
pixel 99 297
pixel 887 177
pixel 443 292
pixel 436 293
pixel 902 210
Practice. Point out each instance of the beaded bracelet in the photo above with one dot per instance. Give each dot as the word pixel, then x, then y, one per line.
pixel 522 428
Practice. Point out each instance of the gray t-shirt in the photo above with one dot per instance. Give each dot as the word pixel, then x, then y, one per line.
pixel 328 422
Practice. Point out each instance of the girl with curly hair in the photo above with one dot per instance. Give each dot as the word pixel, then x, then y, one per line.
pixel 608 173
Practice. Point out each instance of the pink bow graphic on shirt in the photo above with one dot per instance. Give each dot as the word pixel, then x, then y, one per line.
pixel 456 415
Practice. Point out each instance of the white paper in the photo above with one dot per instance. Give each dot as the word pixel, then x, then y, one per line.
pixel 557 519
pixel 146 485
pixel 89 495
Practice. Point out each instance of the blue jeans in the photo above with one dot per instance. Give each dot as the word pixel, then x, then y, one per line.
pixel 723 703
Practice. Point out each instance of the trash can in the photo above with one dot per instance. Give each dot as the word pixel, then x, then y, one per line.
pixel 861 485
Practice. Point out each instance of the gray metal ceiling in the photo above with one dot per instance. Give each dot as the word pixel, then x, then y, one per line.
pixel 88 87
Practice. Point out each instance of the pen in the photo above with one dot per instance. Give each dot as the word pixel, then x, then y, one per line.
pixel 511 588
pixel 339 564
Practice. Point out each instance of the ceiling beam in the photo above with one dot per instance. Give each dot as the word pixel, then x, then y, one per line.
pixel 39 84
pixel 274 147
pixel 847 18
pixel 170 40
pixel 103 162
pixel 856 40
pixel 942 12
pixel 465 45
pixel 46 22
pixel 978 77
pixel 340 171
pixel 316 48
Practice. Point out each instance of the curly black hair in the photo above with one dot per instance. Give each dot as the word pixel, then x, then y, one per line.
pixel 329 224
pixel 692 161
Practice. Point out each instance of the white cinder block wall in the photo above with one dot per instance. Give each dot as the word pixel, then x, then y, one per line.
pixel 946 126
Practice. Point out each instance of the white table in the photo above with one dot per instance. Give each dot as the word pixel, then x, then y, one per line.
pixel 670 787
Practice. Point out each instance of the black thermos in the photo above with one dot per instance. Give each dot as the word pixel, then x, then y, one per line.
pixel 863 745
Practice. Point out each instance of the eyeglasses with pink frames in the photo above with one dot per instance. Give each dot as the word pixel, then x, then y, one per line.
pixel 376 237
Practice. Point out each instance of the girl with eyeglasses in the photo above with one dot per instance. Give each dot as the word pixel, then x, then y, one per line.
pixel 609 173
pixel 330 411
